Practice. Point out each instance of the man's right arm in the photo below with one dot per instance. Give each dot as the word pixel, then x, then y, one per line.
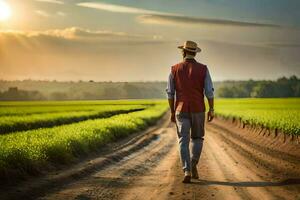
pixel 171 94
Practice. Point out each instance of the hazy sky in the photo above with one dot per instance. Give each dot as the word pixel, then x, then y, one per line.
pixel 136 40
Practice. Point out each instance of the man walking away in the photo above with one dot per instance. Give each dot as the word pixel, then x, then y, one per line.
pixel 189 81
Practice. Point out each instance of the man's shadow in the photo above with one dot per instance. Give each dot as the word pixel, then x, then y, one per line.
pixel 285 182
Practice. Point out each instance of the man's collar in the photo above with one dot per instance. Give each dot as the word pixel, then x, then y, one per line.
pixel 189 57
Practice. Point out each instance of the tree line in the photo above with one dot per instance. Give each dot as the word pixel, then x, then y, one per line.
pixel 90 90
pixel 282 87
pixel 52 90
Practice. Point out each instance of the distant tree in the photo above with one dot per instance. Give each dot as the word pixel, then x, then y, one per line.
pixel 58 96
pixel 14 94
pixel 226 92
pixel 282 87
pixel 132 91
pixel 263 90
pixel 113 93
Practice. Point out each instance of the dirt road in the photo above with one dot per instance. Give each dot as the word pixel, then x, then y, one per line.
pixel 235 164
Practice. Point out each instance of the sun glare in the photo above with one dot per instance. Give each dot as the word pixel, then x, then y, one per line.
pixel 5 11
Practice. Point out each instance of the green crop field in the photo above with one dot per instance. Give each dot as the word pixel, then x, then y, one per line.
pixel 38 134
pixel 282 113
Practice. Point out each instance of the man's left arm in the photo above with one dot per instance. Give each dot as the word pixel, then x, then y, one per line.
pixel 209 93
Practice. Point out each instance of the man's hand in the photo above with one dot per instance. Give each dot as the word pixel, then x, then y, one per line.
pixel 173 117
pixel 210 115
pixel 172 105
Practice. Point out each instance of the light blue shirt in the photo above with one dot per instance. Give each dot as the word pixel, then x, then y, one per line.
pixel 208 86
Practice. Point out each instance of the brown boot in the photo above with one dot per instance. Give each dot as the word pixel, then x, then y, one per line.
pixel 187 177
pixel 194 171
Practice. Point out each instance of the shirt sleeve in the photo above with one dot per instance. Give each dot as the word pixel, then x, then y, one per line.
pixel 171 87
pixel 208 86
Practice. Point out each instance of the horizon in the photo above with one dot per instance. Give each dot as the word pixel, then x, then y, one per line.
pixel 69 40
pixel 139 81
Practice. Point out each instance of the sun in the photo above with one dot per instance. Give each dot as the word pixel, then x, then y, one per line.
pixel 5 11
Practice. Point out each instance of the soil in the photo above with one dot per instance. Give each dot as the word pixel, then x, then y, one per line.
pixel 235 163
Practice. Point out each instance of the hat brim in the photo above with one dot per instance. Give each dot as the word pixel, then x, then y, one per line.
pixel 190 50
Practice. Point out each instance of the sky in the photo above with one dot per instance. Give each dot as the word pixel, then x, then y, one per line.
pixel 136 40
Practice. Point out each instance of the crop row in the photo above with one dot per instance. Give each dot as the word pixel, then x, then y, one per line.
pixel 15 123
pixel 29 151
pixel 39 107
pixel 276 114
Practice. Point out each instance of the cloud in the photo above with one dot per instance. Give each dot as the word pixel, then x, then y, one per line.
pixel 51 1
pixel 95 54
pixel 166 18
pixel 62 14
pixel 42 13
pixel 74 34
pixel 185 20
pixel 119 8
pixel 76 53
pixel 80 33
pixel 283 45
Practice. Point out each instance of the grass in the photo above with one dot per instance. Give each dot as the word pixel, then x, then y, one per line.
pixel 30 151
pixel 277 114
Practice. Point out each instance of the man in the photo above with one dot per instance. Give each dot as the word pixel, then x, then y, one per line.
pixel 189 81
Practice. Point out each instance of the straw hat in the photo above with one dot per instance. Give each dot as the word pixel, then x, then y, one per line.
pixel 190 46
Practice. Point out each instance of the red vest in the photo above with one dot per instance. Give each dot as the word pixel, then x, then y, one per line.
pixel 189 77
